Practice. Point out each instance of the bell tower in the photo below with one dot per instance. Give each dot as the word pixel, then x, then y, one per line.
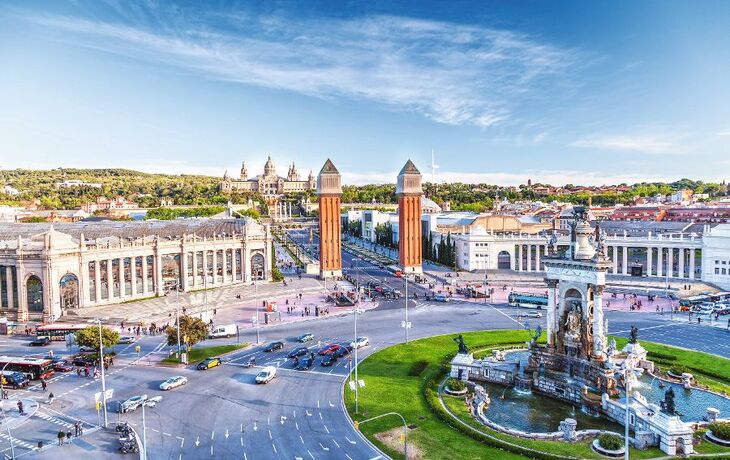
pixel 409 193
pixel 329 189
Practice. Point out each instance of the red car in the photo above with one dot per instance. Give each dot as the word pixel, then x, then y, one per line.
pixel 63 366
pixel 327 349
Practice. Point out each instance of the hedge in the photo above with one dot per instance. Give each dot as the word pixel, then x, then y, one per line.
pixel 720 430
pixel 610 441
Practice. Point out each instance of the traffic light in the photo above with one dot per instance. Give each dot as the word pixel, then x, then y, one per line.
pixel 402 437
pixel 357 425
pixel 98 406
pixel 137 349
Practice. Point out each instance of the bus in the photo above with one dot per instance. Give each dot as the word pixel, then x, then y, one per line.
pixel 528 300
pixel 33 368
pixel 59 331
pixel 689 302
pixel 719 296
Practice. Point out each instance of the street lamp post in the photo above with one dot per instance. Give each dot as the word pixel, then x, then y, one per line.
pixel 256 293
pixel 405 278
pixel 103 377
pixel 629 365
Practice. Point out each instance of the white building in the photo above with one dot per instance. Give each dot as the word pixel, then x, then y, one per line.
pixel 10 190
pixel 716 256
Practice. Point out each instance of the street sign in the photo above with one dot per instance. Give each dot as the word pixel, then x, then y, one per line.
pixel 352 385
pixel 403 324
pixel 361 382
pixel 109 393
pixel 97 396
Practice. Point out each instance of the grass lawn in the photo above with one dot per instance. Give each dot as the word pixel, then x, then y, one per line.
pixel 708 369
pixel 201 353
pixel 403 379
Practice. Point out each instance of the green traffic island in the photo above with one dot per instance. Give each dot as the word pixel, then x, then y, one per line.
pixel 718 433
pixel 197 354
pixel 406 378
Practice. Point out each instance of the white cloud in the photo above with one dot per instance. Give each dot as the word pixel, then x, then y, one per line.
pixel 451 73
pixel 644 144
pixel 724 133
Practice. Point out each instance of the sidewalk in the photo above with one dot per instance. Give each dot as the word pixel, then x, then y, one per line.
pixel 94 444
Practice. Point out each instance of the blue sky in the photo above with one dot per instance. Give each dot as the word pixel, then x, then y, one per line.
pixel 557 91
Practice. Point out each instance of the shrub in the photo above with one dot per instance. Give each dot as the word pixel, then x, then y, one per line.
pixel 610 441
pixel 678 369
pixel 661 356
pixel 455 384
pixel 417 368
pixel 720 430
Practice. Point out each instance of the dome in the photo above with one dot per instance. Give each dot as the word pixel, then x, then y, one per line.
pixel 269 169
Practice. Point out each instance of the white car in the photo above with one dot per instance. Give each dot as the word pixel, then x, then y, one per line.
pixel 266 374
pixel 173 382
pixel 531 314
pixel 360 342
pixel 127 339
pixel 132 403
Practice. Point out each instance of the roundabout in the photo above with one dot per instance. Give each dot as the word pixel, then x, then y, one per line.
pixel 407 379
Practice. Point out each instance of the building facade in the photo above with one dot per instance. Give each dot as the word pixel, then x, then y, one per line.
pixel 46 270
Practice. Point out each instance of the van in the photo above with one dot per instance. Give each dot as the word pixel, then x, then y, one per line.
pixel 224 330
pixel 14 379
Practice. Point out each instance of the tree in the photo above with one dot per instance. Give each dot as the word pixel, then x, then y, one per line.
pixel 192 331
pixel 89 337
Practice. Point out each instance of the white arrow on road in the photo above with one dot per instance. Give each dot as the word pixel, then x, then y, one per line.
pixel 283 418
pixel 197 441
pixel 226 433
pixel 350 441
pixel 331 405
pixel 255 427
pixel 307 412
pixel 323 447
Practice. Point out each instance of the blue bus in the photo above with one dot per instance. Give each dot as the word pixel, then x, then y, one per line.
pixel 528 300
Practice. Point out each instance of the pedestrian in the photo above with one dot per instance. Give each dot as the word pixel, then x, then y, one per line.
pixel 44 385
pixel 51 397
pixel 76 429
pixel 20 407
pixel 61 435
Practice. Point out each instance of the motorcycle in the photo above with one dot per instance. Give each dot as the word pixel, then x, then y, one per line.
pixel 128 448
pixel 250 363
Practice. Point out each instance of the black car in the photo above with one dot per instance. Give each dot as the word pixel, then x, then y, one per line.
pixel 342 351
pixel 329 359
pixel 273 346
pixel 40 342
pixel 305 364
pixel 298 351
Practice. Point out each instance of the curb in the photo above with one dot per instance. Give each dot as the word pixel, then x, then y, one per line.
pixel 349 419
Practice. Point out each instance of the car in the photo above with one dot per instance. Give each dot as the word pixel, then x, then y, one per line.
pixel 273 346
pixel 343 351
pixel 126 339
pixel 327 349
pixel 87 349
pixel 360 342
pixel 298 351
pixel 305 363
pixel 441 298
pixel 132 403
pixel 266 374
pixel 531 314
pixel 208 363
pixel 81 361
pixel 173 382
pixel 63 366
pixel 305 337
pixel 40 342
pixel 329 359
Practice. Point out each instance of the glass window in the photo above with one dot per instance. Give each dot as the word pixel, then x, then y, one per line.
pixel 34 293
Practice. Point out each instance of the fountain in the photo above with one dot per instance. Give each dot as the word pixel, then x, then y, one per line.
pixel 544 384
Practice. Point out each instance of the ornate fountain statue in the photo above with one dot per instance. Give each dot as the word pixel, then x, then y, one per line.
pixel 634 335
pixel 463 349
pixel 552 244
pixel 538 333
pixel 668 406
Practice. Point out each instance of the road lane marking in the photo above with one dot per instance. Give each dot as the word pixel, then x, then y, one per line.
pixel 350 440
pixel 336 443
pixel 326 429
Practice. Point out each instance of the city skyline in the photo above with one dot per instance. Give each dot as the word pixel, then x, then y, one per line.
pixel 567 93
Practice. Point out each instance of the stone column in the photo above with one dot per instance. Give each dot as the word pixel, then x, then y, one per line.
pixel 110 279
pixel 625 260
pixel 145 272
pixel 537 257
pixel 659 261
pixel 529 257
pixel 519 258
pixel 551 313
pixel 692 263
pixel 243 264
pixel 157 273
pixel 615 260
pixel 649 254
pixel 225 265
pixel 122 282
pixel 205 268
pixel 599 340
pixel 409 192
pixel 513 261
pixel 22 294
pixel 681 263
pixel 97 281
pixel 215 266
pixel 133 268
pixel 329 190
pixel 9 286
pixel 195 268
pixel 184 270
pixel 670 262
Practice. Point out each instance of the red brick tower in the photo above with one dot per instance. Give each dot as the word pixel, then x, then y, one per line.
pixel 329 189
pixel 409 218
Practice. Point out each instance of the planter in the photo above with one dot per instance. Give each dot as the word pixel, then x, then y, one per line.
pixel 451 392
pixel 596 446
pixel 712 438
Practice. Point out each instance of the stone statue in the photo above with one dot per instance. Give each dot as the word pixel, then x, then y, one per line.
pixel 552 244
pixel 580 214
pixel 572 324
pixel 634 335
pixel 538 333
pixel 668 406
pixel 463 349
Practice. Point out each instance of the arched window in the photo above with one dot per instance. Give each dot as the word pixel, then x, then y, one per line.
pixel 69 291
pixel 34 291
pixel 504 260
pixel 257 267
